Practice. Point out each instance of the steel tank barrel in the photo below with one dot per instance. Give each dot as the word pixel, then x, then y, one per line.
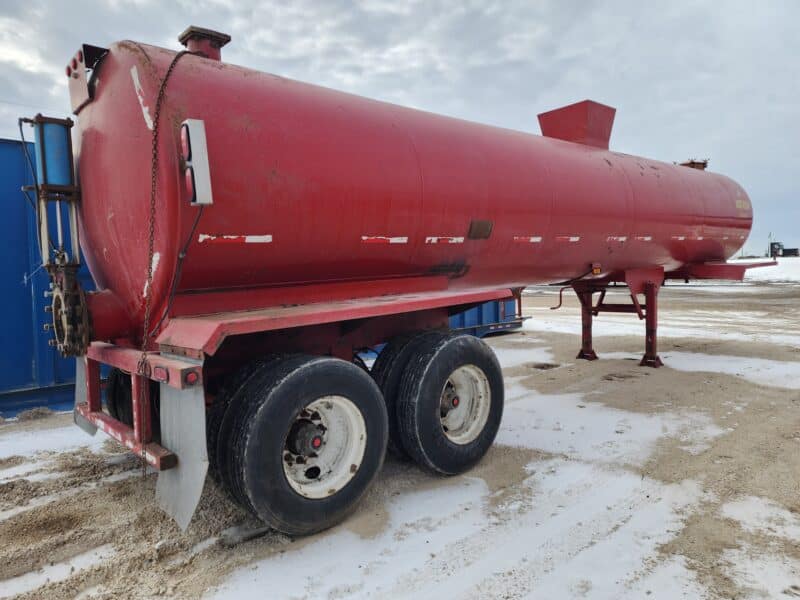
pixel 312 185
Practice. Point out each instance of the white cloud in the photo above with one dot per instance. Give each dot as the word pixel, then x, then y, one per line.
pixel 689 78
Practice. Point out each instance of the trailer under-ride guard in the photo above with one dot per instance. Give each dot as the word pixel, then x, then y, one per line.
pixel 185 347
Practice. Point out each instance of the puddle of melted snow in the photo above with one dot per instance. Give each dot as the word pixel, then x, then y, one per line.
pixel 55 572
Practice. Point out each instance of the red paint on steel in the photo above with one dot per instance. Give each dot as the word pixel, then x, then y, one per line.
pixel 320 170
pixel 92 380
pixel 127 359
pixel 651 357
pixel 731 271
pixel 585 297
pixel 638 279
pixel 140 397
pixel 244 299
pixel 584 122
pixel 207 332
pixel 155 455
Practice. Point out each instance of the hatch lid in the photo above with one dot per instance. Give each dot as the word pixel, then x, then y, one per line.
pixel 586 122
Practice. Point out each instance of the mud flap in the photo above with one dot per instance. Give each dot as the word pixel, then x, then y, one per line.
pixel 183 431
pixel 80 396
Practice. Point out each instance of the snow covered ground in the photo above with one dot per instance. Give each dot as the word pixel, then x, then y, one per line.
pixel 606 481
pixel 787 270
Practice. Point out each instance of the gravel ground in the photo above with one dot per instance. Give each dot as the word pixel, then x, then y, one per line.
pixel 607 480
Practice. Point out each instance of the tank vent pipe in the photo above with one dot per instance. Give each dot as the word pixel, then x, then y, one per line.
pixel 204 41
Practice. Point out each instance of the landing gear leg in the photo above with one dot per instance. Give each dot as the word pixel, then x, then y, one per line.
pixel 585 296
pixel 651 358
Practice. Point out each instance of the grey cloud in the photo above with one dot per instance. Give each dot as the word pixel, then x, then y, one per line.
pixel 689 79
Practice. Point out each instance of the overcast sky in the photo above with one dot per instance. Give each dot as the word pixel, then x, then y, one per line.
pixel 689 79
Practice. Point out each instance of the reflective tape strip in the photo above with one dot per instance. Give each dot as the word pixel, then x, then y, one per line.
pixel 383 239
pixel 444 239
pixel 207 238
pixel 680 238
pixel 568 238
pixel 644 238
pixel 616 238
pixel 528 239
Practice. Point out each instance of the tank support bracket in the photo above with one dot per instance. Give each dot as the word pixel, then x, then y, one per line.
pixel 646 282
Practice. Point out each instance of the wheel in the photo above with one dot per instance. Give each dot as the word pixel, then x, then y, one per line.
pixel 120 406
pixel 118 396
pixel 387 372
pixel 216 412
pixel 231 412
pixel 450 403
pixel 308 437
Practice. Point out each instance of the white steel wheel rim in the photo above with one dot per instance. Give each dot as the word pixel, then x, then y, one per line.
pixel 336 462
pixel 464 404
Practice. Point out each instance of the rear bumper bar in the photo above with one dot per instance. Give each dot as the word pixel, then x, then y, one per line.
pixel 178 373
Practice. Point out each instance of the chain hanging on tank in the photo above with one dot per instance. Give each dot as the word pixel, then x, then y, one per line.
pixel 142 367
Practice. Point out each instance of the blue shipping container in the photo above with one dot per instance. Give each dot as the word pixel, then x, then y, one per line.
pixel 489 317
pixel 31 372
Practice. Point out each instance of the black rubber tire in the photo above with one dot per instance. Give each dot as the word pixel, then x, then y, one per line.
pixel 271 402
pixel 234 405
pixel 216 412
pixel 236 418
pixel 387 372
pixel 120 406
pixel 418 404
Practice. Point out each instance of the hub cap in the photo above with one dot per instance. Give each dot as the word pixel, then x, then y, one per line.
pixel 465 402
pixel 324 447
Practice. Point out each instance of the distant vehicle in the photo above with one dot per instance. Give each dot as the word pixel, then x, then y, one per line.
pixel 776 249
pixel 250 235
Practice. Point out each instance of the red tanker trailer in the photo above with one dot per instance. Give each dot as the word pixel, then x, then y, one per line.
pixel 250 234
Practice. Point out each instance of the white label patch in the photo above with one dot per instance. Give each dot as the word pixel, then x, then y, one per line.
pixel 257 239
pixel 568 238
pixel 528 239
pixel 137 86
pixel 156 259
pixel 616 238
pixel 644 238
pixel 383 239
pixel 444 240
pixel 234 239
